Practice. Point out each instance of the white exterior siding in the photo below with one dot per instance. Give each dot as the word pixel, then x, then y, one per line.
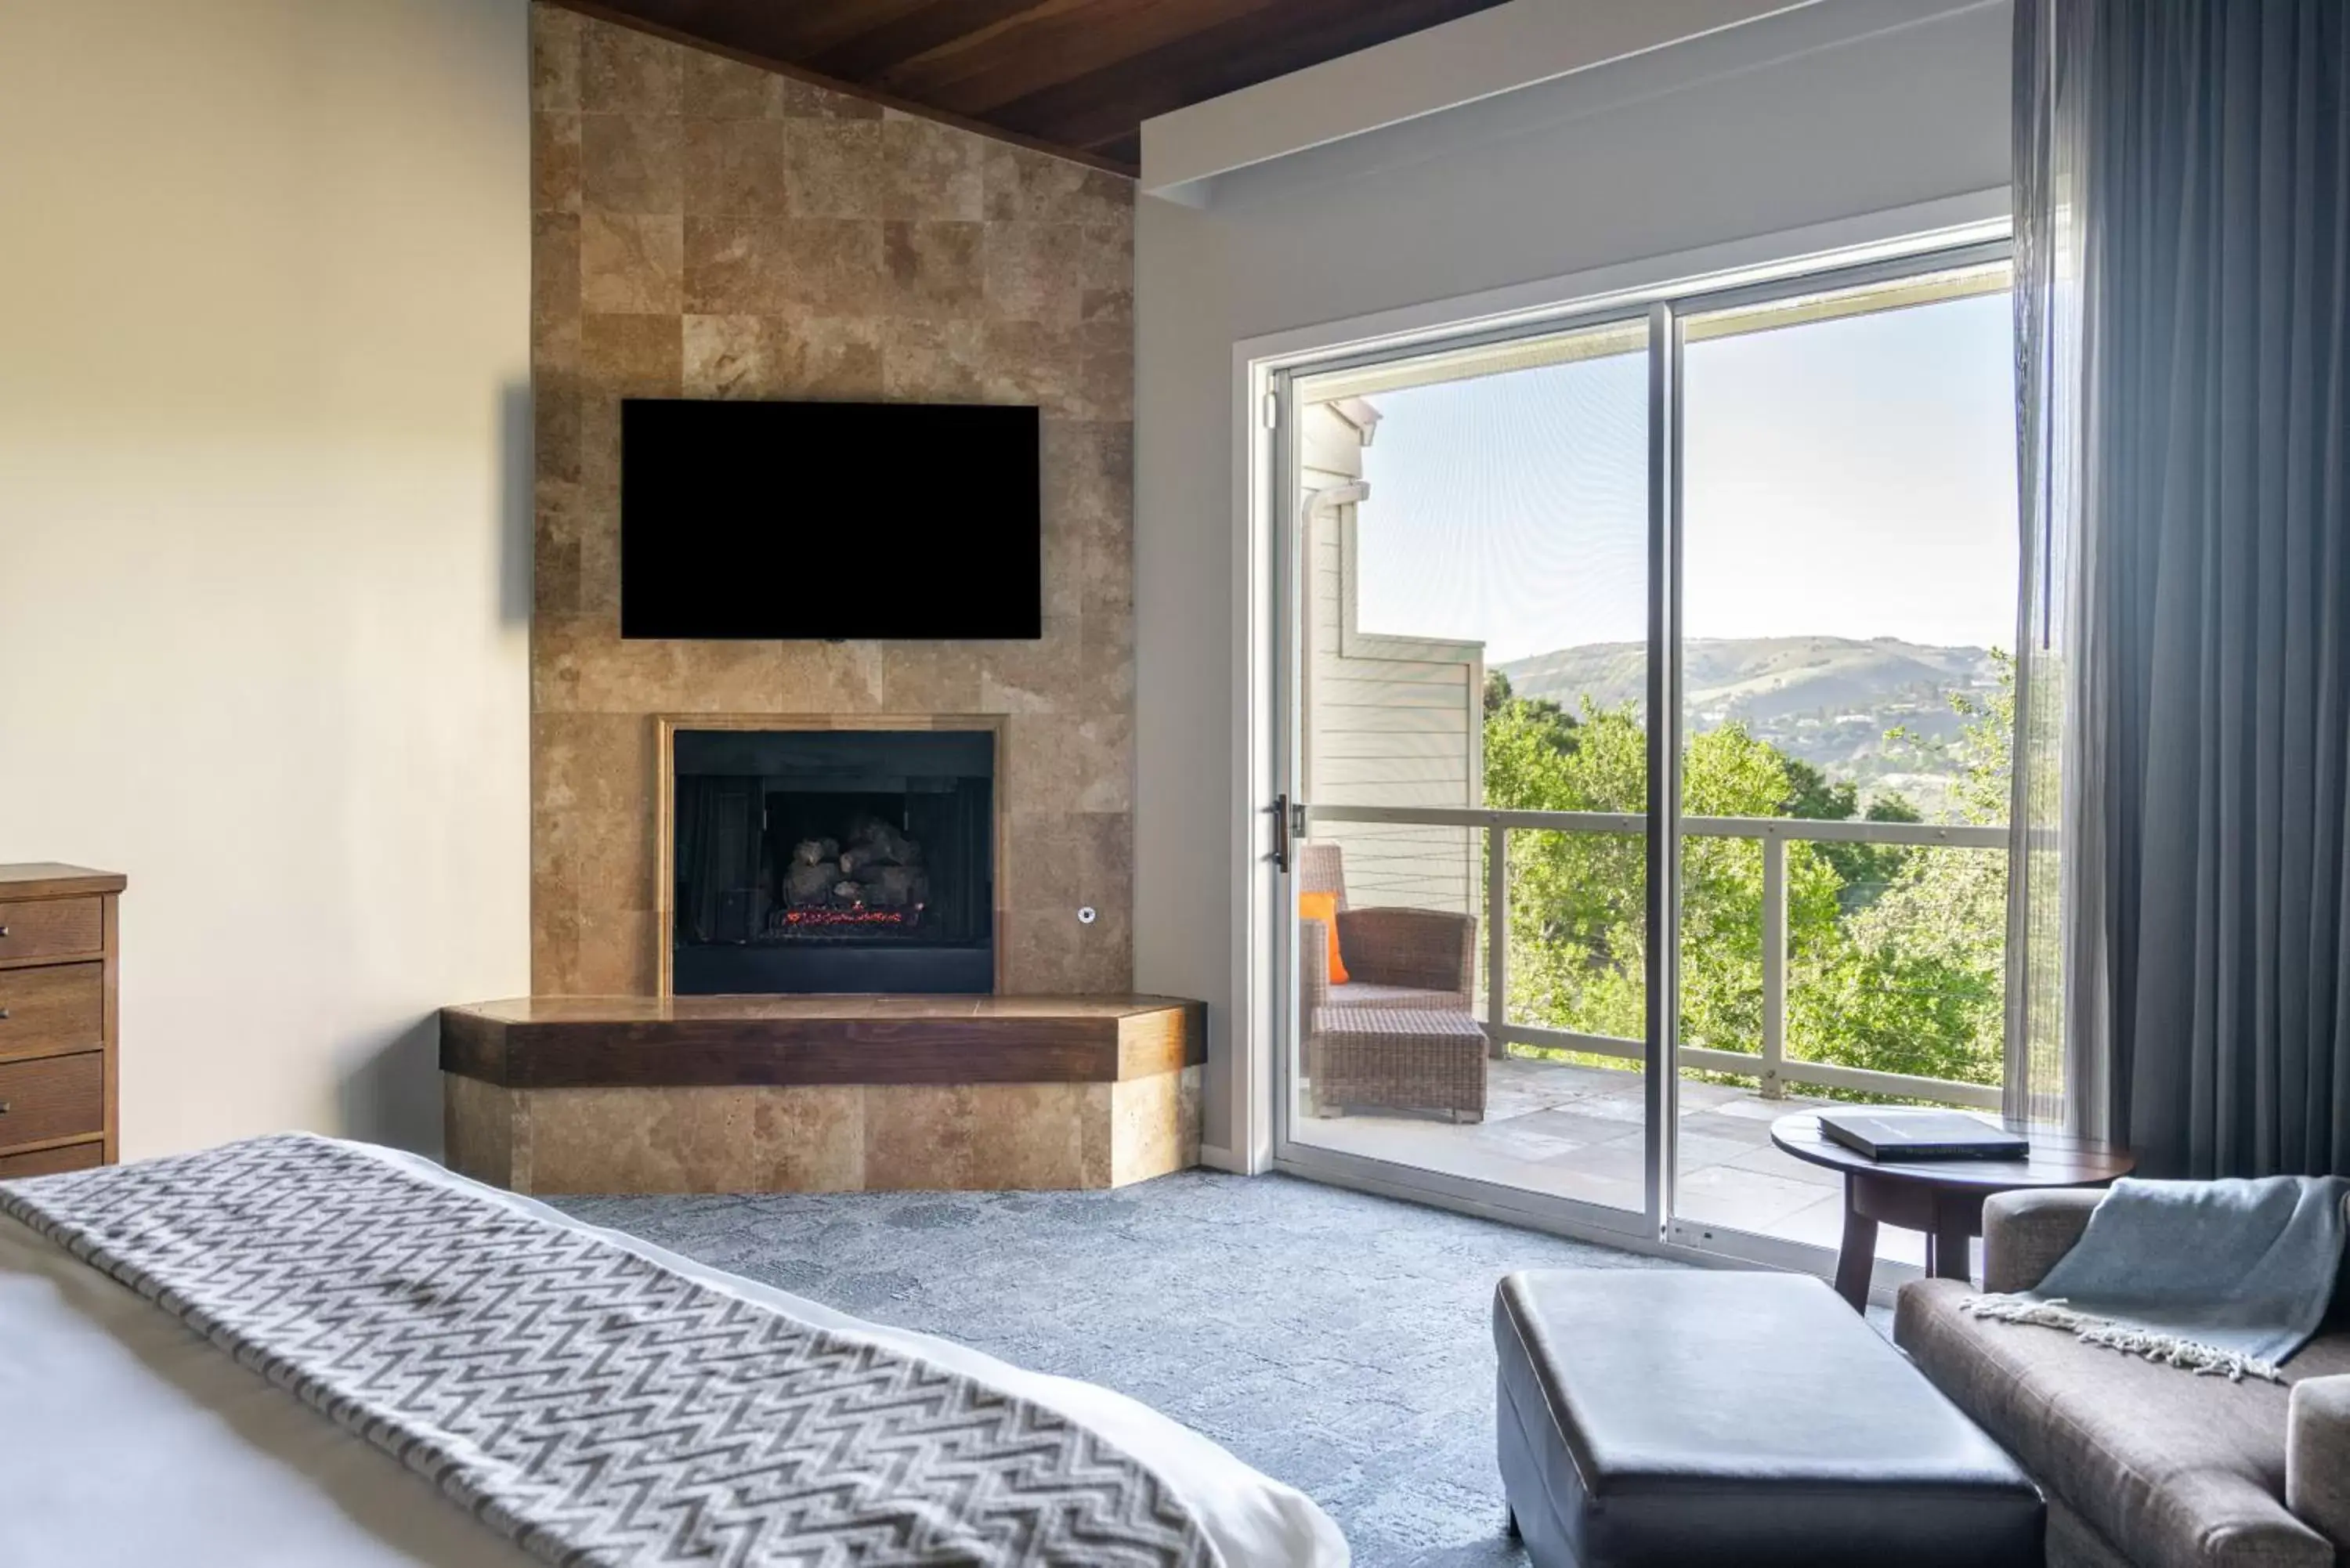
pixel 1388 720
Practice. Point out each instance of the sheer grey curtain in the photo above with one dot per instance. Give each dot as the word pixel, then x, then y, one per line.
pixel 2057 1024
pixel 2183 245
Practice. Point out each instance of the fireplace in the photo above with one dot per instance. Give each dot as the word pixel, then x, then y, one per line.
pixel 832 860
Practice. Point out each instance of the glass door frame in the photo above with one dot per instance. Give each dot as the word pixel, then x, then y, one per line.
pixel 1657 1227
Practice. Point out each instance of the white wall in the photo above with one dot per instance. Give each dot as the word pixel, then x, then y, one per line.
pixel 264 532
pixel 1839 108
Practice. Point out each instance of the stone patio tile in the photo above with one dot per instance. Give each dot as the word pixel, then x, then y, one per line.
pixel 1745 1199
pixel 1768 1161
pixel 1577 1128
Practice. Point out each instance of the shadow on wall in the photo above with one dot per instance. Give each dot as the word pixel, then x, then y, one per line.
pixel 517 505
pixel 393 1097
pixel 393 1094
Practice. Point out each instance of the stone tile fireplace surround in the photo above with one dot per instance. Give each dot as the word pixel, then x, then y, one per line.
pixel 703 228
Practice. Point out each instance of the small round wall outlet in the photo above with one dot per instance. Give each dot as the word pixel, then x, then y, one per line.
pixel 1087 916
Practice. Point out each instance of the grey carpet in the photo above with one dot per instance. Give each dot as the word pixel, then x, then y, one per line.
pixel 1336 1341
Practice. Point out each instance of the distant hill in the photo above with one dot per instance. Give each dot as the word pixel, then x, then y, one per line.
pixel 1828 699
pixel 1756 677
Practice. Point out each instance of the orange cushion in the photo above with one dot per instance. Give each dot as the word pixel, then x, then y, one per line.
pixel 1324 907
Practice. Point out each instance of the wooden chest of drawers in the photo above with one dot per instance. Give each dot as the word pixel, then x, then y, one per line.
pixel 58 1029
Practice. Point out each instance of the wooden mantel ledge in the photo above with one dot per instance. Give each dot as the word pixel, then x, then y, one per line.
pixel 573 1042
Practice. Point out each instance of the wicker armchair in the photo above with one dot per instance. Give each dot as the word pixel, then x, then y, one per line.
pixel 1405 960
pixel 1399 1034
pixel 1395 956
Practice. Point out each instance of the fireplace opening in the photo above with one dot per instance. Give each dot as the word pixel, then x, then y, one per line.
pixel 834 861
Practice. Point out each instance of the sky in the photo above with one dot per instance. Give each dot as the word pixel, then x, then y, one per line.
pixel 1852 478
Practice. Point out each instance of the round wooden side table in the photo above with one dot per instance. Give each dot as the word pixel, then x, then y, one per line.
pixel 1943 1197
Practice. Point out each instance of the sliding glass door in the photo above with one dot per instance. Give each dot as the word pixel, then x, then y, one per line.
pixel 1848 597
pixel 1471 869
pixel 1643 703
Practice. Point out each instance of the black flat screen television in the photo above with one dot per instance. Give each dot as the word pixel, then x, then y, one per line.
pixel 830 521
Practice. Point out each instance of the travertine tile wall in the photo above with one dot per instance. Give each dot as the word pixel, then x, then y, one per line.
pixel 707 229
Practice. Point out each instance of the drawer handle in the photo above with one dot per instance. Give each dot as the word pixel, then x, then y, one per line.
pixel 3 1108
pixel 4 1015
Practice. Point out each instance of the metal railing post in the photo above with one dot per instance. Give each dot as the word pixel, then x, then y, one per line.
pixel 1774 967
pixel 1497 941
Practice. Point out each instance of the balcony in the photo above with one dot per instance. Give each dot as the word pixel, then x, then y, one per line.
pixel 1781 1010
pixel 1475 674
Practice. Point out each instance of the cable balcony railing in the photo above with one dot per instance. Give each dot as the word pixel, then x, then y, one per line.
pixel 1771 1066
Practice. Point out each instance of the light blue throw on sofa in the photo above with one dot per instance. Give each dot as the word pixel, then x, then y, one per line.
pixel 2229 1276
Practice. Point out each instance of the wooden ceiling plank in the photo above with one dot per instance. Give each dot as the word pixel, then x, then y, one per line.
pixel 783 32
pixel 1007 37
pixel 909 36
pixel 802 29
pixel 1053 42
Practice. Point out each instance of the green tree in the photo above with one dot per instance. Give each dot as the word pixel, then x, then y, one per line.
pixel 1917 984
pixel 1865 869
pixel 1894 954
pixel 1578 900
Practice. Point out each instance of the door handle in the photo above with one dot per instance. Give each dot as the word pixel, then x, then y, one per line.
pixel 1288 826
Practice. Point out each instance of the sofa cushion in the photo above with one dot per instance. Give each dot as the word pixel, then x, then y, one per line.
pixel 2177 1470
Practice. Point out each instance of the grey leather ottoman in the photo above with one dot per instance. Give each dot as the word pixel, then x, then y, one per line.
pixel 1691 1417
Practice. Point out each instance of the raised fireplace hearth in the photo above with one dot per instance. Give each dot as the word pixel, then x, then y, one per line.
pixel 806 860
pixel 814 1093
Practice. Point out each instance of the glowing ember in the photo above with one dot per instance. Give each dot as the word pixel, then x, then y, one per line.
pixel 855 916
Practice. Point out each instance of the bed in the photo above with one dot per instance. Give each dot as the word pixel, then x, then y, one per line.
pixel 136 1429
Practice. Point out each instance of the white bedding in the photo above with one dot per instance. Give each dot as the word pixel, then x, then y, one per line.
pixel 125 1439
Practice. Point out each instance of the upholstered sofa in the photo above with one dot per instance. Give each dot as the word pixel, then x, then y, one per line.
pixel 2143 1465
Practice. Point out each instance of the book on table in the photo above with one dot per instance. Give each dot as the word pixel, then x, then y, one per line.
pixel 1901 1134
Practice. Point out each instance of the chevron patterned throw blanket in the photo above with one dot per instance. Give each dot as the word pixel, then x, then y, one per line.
pixel 595 1406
